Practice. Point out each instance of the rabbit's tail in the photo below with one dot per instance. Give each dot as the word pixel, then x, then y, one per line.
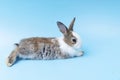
pixel 12 57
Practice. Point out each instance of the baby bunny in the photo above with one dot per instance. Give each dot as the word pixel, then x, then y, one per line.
pixel 63 47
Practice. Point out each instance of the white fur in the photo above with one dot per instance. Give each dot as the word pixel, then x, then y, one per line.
pixel 31 56
pixel 65 48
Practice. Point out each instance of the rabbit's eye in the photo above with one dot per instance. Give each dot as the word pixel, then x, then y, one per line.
pixel 74 40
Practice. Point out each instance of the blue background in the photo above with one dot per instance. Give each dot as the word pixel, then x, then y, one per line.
pixel 97 22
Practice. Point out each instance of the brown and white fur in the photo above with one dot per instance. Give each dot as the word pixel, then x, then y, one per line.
pixel 48 48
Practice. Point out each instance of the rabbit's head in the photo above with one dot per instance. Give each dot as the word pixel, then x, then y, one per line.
pixel 70 37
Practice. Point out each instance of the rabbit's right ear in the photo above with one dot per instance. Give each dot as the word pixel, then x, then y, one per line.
pixel 72 24
pixel 62 28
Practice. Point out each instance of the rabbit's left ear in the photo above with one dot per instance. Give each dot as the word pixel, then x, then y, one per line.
pixel 62 28
pixel 72 24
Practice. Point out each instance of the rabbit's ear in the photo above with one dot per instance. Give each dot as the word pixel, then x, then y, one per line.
pixel 72 24
pixel 62 28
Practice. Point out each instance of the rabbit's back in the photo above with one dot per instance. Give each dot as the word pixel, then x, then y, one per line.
pixel 39 48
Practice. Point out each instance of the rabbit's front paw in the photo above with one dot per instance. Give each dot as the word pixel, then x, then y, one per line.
pixel 81 53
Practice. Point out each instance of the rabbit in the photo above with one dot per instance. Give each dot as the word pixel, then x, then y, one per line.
pixel 66 46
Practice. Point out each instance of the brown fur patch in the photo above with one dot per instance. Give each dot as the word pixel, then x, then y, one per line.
pixel 36 41
pixel 31 45
pixel 68 38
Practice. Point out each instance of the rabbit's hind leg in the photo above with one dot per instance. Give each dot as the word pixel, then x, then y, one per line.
pixel 12 57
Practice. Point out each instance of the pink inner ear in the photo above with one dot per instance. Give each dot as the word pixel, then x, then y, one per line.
pixel 63 29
